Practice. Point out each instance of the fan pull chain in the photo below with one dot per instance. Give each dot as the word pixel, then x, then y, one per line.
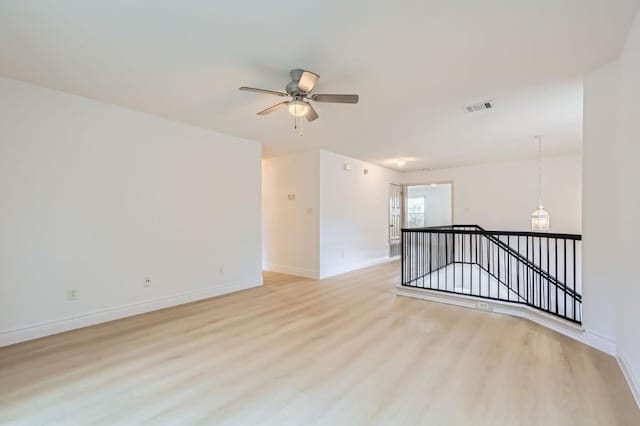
pixel 297 125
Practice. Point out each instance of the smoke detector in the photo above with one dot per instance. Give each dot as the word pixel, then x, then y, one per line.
pixel 479 106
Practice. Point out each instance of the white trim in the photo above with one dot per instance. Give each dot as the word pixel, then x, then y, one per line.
pixel 292 270
pixel 361 265
pixel 47 328
pixel 310 273
pixel 600 342
pixel 632 379
pixel 567 328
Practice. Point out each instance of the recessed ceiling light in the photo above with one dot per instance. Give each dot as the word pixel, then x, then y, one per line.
pixel 400 163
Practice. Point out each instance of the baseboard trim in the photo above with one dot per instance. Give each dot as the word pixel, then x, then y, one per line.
pixel 292 270
pixel 632 379
pixel 566 328
pixel 309 273
pixel 599 342
pixel 47 328
pixel 358 266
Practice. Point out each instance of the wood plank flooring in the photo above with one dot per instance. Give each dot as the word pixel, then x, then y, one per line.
pixel 341 351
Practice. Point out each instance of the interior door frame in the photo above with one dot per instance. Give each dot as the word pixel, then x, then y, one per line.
pixel 405 196
pixel 402 203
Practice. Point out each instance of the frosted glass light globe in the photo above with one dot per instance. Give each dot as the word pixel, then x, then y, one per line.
pixel 298 108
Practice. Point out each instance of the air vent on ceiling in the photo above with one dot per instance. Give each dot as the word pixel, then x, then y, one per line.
pixel 478 107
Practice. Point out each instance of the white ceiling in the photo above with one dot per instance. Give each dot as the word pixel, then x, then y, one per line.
pixel 415 64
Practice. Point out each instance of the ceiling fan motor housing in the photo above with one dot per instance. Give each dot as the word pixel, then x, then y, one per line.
pixel 293 87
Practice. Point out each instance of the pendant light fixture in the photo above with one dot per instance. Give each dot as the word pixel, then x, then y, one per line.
pixel 540 217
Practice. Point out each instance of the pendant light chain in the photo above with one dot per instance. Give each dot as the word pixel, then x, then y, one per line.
pixel 539 169
pixel 540 218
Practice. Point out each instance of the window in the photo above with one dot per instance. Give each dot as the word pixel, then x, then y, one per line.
pixel 415 212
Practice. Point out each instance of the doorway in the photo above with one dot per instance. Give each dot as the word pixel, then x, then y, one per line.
pixel 428 205
pixel 395 219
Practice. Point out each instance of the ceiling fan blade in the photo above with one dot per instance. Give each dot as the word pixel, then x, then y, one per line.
pixel 268 92
pixel 340 99
pixel 312 114
pixel 273 108
pixel 307 81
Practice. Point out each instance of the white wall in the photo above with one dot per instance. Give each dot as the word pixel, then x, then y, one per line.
pixel 96 197
pixel 628 181
pixel 291 227
pixel 354 213
pixel 502 195
pixel 599 216
pixel 612 203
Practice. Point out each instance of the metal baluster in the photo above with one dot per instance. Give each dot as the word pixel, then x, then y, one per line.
pixel 421 254
pixel 478 262
pixel 528 268
pixel 548 272
pixel 540 296
pixel 423 258
pixel 508 260
pixel 565 277
pixel 413 254
pixel 462 264
pixel 518 271
pixel 438 262
pixel 574 279
pixel 402 257
pixel 481 265
pixel 453 239
pixel 556 275
pixel 490 252
pixel 470 266
pixel 446 254
pixel 498 258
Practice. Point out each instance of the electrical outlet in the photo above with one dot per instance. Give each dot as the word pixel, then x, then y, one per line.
pixel 484 306
pixel 221 270
pixel 147 282
pixel 72 294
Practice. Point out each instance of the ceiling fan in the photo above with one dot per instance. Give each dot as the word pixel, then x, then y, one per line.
pixel 299 90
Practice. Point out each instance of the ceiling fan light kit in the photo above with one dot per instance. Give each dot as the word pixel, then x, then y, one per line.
pixel 298 108
pixel 299 89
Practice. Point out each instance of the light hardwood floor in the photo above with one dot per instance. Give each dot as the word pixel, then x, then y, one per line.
pixel 344 350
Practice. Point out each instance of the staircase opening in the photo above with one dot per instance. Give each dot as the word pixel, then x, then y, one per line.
pixel 537 269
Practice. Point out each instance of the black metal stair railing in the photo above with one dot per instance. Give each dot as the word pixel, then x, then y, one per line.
pixel 540 270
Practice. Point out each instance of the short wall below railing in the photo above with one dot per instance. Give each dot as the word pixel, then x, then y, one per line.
pixel 567 328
